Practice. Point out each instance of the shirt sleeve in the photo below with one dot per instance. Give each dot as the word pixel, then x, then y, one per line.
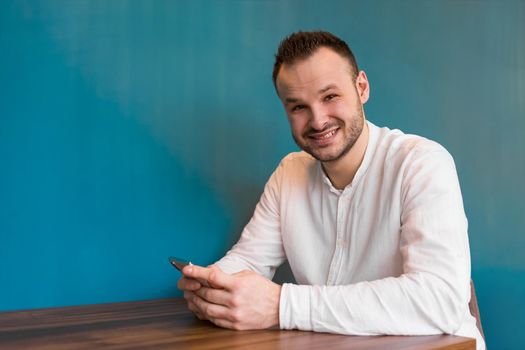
pixel 260 247
pixel 432 294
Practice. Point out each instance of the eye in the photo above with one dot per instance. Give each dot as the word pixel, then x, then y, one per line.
pixel 330 97
pixel 297 108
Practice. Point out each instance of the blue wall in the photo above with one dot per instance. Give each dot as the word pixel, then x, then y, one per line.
pixel 135 130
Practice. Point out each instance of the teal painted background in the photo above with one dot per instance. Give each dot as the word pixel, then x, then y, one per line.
pixel 135 130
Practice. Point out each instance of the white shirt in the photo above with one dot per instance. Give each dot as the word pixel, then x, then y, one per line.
pixel 389 254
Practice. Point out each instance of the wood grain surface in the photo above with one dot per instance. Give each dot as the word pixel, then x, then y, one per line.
pixel 167 324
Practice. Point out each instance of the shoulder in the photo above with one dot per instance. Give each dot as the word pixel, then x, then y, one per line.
pixel 296 168
pixel 298 160
pixel 399 148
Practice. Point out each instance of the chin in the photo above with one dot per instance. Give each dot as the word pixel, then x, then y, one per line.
pixel 326 156
pixel 330 153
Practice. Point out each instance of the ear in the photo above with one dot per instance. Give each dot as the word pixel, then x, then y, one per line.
pixel 362 86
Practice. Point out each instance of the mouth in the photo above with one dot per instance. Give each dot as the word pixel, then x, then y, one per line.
pixel 323 138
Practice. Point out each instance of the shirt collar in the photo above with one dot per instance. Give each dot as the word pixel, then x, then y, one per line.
pixel 373 135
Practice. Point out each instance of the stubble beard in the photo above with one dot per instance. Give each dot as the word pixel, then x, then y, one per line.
pixel 351 133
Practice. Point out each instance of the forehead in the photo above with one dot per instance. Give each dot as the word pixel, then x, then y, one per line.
pixel 324 67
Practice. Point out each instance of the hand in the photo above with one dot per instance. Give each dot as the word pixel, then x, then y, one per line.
pixel 241 301
pixel 189 285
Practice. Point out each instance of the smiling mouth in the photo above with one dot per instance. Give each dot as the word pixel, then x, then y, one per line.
pixel 323 138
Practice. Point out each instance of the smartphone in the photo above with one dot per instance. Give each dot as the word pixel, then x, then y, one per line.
pixel 178 263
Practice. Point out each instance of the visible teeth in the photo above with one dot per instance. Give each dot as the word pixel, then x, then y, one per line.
pixel 330 134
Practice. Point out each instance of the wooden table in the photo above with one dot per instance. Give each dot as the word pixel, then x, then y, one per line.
pixel 167 324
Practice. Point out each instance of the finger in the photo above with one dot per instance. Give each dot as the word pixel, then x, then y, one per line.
pixel 188 296
pixel 196 272
pixel 201 281
pixel 185 283
pixel 214 276
pixel 193 308
pixel 210 310
pixel 215 296
pixel 224 323
pixel 218 279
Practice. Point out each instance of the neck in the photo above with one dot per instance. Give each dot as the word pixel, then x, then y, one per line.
pixel 342 171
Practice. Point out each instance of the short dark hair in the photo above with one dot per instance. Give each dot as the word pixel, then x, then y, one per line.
pixel 301 45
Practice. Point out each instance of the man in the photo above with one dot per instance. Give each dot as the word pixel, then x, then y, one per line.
pixel 370 219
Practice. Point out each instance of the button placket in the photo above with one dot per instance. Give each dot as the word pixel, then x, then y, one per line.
pixel 340 242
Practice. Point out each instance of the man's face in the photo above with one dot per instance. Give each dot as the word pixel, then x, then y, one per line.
pixel 323 103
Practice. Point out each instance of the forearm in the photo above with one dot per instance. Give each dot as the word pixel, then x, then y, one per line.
pixel 412 304
pixel 234 262
pixel 244 256
pixel 260 247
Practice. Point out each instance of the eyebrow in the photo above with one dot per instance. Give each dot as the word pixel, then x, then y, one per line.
pixel 326 88
pixel 321 91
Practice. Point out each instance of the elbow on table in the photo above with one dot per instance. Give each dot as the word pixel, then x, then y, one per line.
pixel 451 304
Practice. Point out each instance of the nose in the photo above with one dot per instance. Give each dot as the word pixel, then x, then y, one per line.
pixel 318 118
